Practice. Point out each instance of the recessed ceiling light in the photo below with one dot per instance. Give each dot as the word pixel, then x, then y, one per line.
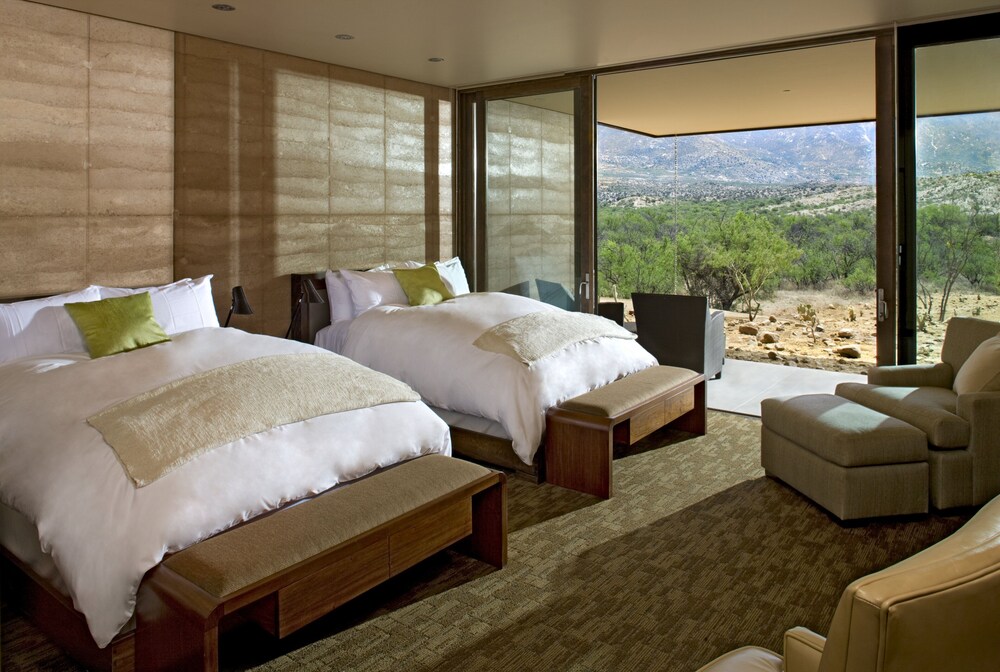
pixel 435 59
pixel 222 7
pixel 344 36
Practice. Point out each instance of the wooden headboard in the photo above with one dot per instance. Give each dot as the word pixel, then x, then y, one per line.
pixel 312 316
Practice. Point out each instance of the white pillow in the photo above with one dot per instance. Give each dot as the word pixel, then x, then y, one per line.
pixel 339 297
pixel 981 371
pixel 373 288
pixel 180 306
pixel 453 275
pixel 42 326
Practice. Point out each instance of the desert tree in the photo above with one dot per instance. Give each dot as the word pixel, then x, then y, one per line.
pixel 738 257
pixel 633 254
pixel 697 266
pixel 947 238
pixel 754 254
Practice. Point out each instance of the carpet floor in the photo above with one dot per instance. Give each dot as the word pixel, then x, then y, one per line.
pixel 697 553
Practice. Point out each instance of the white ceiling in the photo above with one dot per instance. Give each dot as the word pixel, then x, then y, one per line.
pixel 804 87
pixel 484 41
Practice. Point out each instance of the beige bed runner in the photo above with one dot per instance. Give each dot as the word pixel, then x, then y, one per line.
pixel 158 431
pixel 536 335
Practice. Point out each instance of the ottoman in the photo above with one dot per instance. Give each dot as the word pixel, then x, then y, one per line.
pixel 849 459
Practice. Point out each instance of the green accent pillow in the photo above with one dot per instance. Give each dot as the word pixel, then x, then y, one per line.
pixel 423 286
pixel 117 325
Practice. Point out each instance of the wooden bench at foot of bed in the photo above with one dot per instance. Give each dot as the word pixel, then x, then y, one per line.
pixel 287 569
pixel 581 432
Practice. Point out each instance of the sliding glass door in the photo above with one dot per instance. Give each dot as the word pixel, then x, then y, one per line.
pixel 533 190
pixel 950 117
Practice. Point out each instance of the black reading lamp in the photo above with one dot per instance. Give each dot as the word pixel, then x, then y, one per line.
pixel 308 293
pixel 240 305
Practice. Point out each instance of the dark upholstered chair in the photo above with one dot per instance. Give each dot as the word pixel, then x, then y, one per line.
pixel 681 331
pixel 555 294
pixel 612 310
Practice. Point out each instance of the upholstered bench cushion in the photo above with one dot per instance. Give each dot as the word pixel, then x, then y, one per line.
pixel 842 432
pixel 243 556
pixel 621 396
pixel 929 409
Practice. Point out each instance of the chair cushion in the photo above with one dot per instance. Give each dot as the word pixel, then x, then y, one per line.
pixel 843 432
pixel 981 371
pixel 933 410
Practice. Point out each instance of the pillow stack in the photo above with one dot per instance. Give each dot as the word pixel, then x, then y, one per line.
pixel 45 326
pixel 351 293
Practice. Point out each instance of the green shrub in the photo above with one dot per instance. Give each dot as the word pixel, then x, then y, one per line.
pixel 862 278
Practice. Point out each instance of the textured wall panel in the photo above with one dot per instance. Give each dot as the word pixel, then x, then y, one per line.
pixel 131 119
pixel 43 107
pixel 296 154
pixel 405 147
pixel 404 238
pixel 86 151
pixel 297 242
pixel 41 255
pixel 446 248
pixel 219 139
pixel 357 148
pixel 133 251
pixel 285 165
pixel 357 241
pixel 228 247
pixel 445 160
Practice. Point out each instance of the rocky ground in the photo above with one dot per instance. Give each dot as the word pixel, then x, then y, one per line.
pixel 844 334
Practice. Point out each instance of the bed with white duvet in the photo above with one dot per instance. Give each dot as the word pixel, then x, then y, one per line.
pixel 432 348
pixel 99 531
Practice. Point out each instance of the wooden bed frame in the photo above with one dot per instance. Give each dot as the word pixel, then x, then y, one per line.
pixel 465 443
pixel 471 518
pixel 591 475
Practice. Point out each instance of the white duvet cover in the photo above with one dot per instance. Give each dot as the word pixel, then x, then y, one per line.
pixel 431 349
pixel 103 533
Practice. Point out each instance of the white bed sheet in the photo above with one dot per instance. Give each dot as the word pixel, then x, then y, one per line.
pixel 102 533
pixel 333 336
pixel 431 349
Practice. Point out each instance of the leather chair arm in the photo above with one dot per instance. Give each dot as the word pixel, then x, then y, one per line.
pixel 803 650
pixel 912 375
pixel 745 659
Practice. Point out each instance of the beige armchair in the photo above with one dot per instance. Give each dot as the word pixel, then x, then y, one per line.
pixel 956 403
pixel 936 611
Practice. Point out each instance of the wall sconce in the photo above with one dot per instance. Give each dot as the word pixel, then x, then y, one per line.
pixel 240 305
pixel 308 293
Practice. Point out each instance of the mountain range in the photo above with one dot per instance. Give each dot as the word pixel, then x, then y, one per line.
pixel 769 163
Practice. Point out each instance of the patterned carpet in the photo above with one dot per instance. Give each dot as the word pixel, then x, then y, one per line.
pixel 697 553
